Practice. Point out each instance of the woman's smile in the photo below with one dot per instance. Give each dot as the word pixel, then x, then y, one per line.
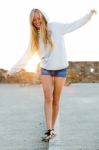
pixel 37 20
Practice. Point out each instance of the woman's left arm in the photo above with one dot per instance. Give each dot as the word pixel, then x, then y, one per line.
pixel 66 28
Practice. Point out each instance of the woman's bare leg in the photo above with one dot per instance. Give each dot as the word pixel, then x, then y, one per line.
pixel 58 85
pixel 47 83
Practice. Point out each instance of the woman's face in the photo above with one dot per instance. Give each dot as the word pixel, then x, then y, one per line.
pixel 37 20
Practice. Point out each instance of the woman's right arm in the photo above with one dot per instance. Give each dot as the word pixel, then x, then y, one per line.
pixel 22 61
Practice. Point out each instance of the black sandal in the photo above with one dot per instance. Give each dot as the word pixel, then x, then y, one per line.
pixel 49 135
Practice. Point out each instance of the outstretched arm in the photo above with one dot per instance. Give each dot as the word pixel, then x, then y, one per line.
pixel 22 61
pixel 66 28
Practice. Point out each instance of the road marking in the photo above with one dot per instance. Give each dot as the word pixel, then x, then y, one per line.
pixel 55 143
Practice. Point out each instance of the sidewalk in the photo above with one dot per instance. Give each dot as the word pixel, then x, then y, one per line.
pixel 22 118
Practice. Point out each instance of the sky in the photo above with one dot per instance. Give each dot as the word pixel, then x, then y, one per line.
pixel 81 45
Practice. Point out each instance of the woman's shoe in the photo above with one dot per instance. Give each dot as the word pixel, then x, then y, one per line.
pixel 49 135
pixel 47 132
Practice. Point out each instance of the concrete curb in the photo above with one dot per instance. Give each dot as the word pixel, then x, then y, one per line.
pixel 54 144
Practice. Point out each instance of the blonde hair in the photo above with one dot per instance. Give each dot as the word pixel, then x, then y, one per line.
pixel 45 33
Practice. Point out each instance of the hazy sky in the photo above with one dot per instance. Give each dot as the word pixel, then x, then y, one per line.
pixel 81 45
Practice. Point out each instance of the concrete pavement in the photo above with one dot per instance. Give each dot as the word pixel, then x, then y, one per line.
pixel 22 121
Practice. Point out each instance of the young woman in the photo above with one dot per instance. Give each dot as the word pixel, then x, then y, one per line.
pixel 47 40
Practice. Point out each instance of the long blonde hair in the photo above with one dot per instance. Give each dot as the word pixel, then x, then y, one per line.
pixel 45 33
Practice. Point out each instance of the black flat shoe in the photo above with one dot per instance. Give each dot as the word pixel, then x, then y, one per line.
pixel 49 135
pixel 48 131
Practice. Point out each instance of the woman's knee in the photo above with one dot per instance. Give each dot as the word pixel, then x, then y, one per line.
pixel 48 98
pixel 55 103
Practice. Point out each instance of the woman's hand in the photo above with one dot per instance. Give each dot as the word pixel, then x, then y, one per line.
pixel 93 11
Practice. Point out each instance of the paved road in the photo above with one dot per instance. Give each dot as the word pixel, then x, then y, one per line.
pixel 22 118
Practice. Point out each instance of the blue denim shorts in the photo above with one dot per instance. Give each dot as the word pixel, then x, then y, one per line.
pixel 55 73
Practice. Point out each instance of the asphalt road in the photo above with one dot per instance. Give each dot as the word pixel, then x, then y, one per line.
pixel 22 121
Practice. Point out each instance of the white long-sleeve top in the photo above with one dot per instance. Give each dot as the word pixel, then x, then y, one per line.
pixel 52 58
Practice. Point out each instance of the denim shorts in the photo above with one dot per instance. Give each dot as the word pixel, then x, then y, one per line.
pixel 55 73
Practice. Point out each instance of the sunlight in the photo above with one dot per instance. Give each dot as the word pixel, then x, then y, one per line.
pixel 32 65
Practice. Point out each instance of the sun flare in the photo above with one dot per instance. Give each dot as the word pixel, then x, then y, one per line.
pixel 33 63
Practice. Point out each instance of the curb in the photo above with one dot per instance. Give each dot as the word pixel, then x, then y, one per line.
pixel 54 144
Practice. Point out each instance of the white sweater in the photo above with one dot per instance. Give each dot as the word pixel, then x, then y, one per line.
pixel 52 59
